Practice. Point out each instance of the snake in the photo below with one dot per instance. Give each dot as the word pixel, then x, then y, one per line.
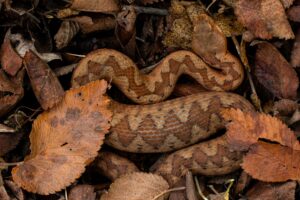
pixel 167 125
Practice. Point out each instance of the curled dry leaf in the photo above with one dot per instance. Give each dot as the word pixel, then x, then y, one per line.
pixel 44 82
pixel 11 62
pixel 295 56
pixel 275 191
pixel 82 192
pixel 114 166
pixel 66 32
pixel 246 128
pixel 272 162
pixel 274 72
pixel 137 186
pixel 88 24
pixel 11 91
pixel 264 18
pixel 104 6
pixel 65 139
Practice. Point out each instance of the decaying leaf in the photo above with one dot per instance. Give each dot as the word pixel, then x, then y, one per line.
pixel 272 162
pixel 44 82
pixel 67 30
pixel 22 46
pixel 11 91
pixel 294 13
pixel 96 5
pixel 274 191
pixel 264 18
pixel 114 166
pixel 137 186
pixel 9 141
pixel 274 72
pixel 82 192
pixel 65 139
pixel 88 24
pixel 11 62
pixel 246 128
pixel 295 55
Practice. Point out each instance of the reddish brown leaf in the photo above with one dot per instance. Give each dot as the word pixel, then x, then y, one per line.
pixel 96 5
pixel 285 106
pixel 264 18
pixel 82 192
pixel 11 62
pixel 295 55
pixel 274 72
pixel 11 91
pixel 272 162
pixel 294 13
pixel 274 191
pixel 246 128
pixel 65 139
pixel 44 82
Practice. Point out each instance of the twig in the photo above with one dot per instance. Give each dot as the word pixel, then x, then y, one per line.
pixel 10 164
pixel 168 191
pixel 241 50
pixel 65 69
pixel 199 189
pixel 190 186
pixel 149 10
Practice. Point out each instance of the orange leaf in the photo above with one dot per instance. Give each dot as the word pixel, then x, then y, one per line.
pixel 65 139
pixel 246 128
pixel 272 162
pixel 96 5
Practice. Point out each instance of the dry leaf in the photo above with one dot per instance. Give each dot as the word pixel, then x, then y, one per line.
pixel 65 139
pixel 264 18
pixel 15 191
pixel 285 106
pixel 96 5
pixel 44 82
pixel 274 191
pixel 274 72
pixel 287 3
pixel 82 192
pixel 66 32
pixel 137 186
pixel 295 55
pixel 22 46
pixel 89 25
pixel 9 141
pixel 272 162
pixel 11 62
pixel 294 13
pixel 246 128
pixel 114 166
pixel 11 91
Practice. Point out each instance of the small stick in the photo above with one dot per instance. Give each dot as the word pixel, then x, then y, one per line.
pixel 199 189
pixel 190 186
pixel 168 191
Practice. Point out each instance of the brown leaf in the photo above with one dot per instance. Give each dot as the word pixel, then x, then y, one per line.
pixel 295 55
pixel 287 3
pixel 272 162
pixel 66 32
pixel 44 82
pixel 65 139
pixel 114 166
pixel 294 13
pixel 96 5
pixel 11 91
pixel 17 192
pixel 82 192
pixel 11 62
pixel 264 18
pixel 88 24
pixel 274 72
pixel 274 191
pixel 137 186
pixel 285 106
pixel 9 141
pixel 246 128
